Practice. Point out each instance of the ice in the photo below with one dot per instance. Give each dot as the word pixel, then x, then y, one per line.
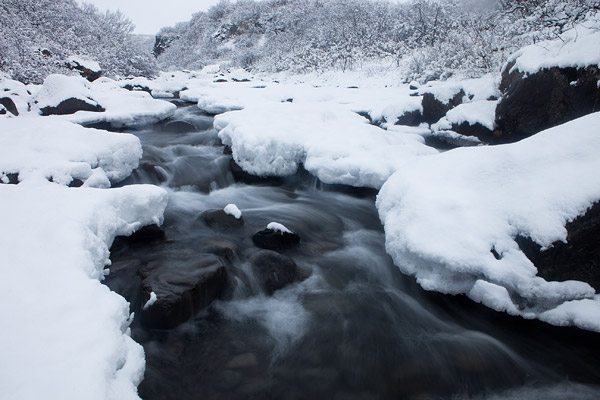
pixel 578 47
pixel 36 147
pixel 233 210
pixel 277 227
pixel 446 215
pixel 150 301
pixel 65 335
pixel 333 143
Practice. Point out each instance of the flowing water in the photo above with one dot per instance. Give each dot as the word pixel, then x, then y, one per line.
pixel 352 327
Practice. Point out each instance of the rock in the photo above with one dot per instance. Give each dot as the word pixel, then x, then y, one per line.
pixel 11 178
pixel 147 233
pixel 138 88
pixel 71 106
pixel 9 105
pixel 550 97
pixel 410 118
pixel 578 259
pixel 273 270
pixel 275 240
pixel 245 360
pixel 182 287
pixel 179 127
pixel 225 249
pixel 433 109
pixel 477 130
pixel 219 219
pixel 86 72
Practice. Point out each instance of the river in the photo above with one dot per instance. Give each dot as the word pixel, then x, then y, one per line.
pixel 351 326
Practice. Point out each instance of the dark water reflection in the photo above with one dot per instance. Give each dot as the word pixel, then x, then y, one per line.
pixel 354 329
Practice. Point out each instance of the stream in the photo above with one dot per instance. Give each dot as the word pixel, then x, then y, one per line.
pixel 347 325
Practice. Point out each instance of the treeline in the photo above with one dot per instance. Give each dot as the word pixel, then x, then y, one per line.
pixel 428 38
pixel 38 36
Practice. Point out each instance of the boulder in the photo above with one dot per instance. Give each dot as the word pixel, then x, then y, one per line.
pixel 9 105
pixel 273 270
pixel 275 240
pixel 476 130
pixel 182 288
pixel 578 259
pixel 410 118
pixel 147 233
pixel 434 109
pixel 220 219
pixel 550 97
pixel 88 70
pixel 71 106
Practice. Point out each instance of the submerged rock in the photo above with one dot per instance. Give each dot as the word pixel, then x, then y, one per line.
pixel 182 288
pixel 273 270
pixel 550 97
pixel 220 219
pixel 71 106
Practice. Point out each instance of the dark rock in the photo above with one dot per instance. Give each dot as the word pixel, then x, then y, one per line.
pixel 9 105
pixel 225 249
pixel 273 270
pixel 182 287
pixel 477 130
pixel 240 80
pixel 410 118
pixel 578 259
pixel 365 114
pixel 219 219
pixel 13 178
pixel 140 88
pixel 220 81
pixel 433 109
pixel 147 233
pixel 539 101
pixel 413 87
pixel 71 106
pixel 239 175
pixel 275 240
pixel 76 183
pixel 85 72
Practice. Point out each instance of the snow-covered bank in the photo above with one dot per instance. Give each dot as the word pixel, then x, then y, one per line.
pixel 49 148
pixel 334 144
pixel 65 334
pixel 451 220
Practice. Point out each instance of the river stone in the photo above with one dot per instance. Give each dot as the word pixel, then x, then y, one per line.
pixel 220 219
pixel 477 130
pixel 410 118
pixel 433 109
pixel 182 287
pixel 147 233
pixel 9 105
pixel 534 102
pixel 274 240
pixel 273 270
pixel 245 360
pixel 71 106
pixel 179 127
pixel 578 259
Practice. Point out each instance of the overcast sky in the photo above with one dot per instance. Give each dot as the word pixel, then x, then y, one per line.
pixel 151 15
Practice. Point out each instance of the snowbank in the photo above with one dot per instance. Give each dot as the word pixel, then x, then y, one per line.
pixel 446 215
pixel 578 48
pixel 34 146
pixel 478 112
pixel 333 143
pixel 65 335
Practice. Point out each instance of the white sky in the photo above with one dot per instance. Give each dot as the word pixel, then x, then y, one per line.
pixel 151 15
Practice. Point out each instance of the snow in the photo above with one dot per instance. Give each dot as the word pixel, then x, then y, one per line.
pixel 233 210
pixel 444 214
pixel 475 89
pixel 86 63
pixel 17 92
pixel 65 335
pixel 578 47
pixel 277 227
pixel 43 147
pixel 150 301
pixel 274 139
pixel 478 112
pixel 58 88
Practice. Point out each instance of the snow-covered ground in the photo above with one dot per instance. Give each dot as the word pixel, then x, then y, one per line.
pixel 444 215
pixel 65 335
